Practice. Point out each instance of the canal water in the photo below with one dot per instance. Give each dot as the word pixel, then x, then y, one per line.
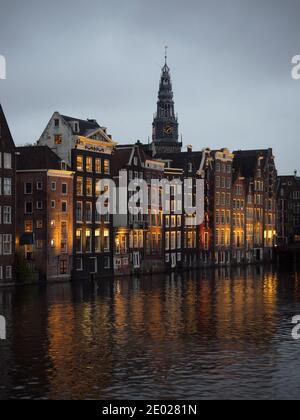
pixel 199 335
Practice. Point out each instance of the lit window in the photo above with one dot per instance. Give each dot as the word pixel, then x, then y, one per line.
pixel 79 240
pixel 28 226
pixel 97 240
pixel 106 240
pixel 79 186
pixel 58 139
pixel 98 166
pixel 98 187
pixel 88 240
pixel 79 163
pixel 106 166
pixel 89 187
pixel 89 164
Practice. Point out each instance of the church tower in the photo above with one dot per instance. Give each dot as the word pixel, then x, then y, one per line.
pixel 165 138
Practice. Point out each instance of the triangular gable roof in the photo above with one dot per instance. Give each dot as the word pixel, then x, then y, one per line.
pixel 6 140
pixel 84 125
pixel 37 158
pixel 245 161
pixel 87 128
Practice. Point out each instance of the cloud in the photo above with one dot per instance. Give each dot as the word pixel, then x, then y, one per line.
pixel 230 64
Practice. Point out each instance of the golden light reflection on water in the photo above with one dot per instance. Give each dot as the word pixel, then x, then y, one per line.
pixel 116 338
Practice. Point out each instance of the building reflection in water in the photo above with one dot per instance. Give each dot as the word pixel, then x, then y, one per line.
pixel 178 335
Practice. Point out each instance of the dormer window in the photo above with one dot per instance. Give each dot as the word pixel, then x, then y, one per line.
pixel 190 167
pixel 76 126
pixel 135 161
pixel 63 166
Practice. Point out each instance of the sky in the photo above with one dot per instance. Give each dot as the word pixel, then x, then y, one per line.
pixel 230 62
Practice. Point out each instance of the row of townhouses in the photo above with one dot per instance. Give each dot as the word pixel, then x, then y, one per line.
pixel 50 222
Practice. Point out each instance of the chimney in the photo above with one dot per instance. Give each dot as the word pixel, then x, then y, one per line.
pixel 295 173
pixel 189 148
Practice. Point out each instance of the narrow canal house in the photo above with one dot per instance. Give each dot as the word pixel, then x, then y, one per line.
pixel 86 147
pixel 259 170
pixel 220 197
pixel 242 225
pixel 185 241
pixel 288 208
pixel 138 238
pixel 45 213
pixel 7 202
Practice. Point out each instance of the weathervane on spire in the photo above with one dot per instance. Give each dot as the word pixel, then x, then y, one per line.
pixel 166 54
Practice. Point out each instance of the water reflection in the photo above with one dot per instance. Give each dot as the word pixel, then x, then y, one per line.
pixel 213 334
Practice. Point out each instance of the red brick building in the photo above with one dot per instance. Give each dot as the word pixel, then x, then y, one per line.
pixel 138 238
pixel 288 206
pixel 7 202
pixel 45 212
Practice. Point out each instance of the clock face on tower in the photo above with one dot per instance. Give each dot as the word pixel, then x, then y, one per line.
pixel 168 130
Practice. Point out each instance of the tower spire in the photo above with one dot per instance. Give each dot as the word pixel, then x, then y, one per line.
pixel 165 125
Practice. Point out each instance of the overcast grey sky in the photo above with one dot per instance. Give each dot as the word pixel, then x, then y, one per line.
pixel 230 63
